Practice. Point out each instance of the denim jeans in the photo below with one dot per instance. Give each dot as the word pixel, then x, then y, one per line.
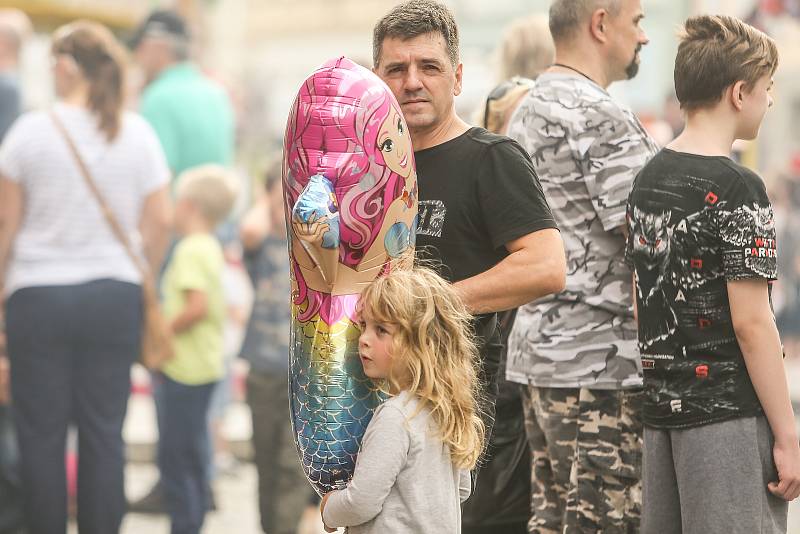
pixel 10 491
pixel 183 452
pixel 71 348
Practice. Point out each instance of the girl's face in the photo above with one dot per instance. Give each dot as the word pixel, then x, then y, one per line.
pixel 394 142
pixel 375 346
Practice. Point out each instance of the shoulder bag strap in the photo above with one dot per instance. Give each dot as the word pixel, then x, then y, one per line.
pixel 116 228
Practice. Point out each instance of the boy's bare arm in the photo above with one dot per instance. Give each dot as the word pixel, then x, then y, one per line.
pixel 255 224
pixel 194 310
pixel 758 338
pixel 155 227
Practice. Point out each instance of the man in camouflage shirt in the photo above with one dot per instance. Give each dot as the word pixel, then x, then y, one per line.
pixel 576 351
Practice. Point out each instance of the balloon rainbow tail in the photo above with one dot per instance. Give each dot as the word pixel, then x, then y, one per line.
pixel 331 399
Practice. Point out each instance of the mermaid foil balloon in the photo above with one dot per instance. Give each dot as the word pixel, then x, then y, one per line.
pixel 350 192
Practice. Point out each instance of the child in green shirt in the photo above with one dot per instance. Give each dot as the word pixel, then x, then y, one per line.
pixel 194 305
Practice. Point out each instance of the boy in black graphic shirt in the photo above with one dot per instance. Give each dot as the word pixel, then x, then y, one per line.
pixel 721 450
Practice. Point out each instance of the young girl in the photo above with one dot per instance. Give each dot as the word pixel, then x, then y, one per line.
pixel 412 472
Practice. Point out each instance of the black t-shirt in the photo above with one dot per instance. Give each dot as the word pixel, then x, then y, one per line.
pixel 477 192
pixel 695 222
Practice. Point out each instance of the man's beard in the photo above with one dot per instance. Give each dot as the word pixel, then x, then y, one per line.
pixel 633 67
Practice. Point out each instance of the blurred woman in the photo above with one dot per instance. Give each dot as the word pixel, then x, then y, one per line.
pixel 524 52
pixel 72 295
pixel 526 49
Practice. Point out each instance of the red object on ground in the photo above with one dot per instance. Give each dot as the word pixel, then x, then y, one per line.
pixel 71 462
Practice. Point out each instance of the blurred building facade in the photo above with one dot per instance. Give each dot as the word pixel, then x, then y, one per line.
pixel 262 50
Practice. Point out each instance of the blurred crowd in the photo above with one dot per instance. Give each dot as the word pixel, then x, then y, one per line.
pixel 115 193
pixel 163 160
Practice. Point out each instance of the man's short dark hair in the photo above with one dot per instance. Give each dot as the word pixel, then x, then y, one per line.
pixel 567 15
pixel 168 25
pixel 412 19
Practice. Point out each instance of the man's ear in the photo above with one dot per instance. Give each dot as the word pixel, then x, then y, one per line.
pixel 736 95
pixel 459 79
pixel 598 25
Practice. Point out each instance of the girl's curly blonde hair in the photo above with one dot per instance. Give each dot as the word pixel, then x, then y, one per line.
pixel 434 355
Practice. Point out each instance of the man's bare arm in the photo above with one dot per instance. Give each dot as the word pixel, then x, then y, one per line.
pixel 536 266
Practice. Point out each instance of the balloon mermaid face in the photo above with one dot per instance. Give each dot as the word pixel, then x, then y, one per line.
pixel 394 142
pixel 350 192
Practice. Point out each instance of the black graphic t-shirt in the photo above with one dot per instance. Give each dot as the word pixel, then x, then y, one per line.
pixel 477 192
pixel 695 223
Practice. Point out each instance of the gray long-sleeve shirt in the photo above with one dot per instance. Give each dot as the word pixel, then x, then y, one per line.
pixel 404 480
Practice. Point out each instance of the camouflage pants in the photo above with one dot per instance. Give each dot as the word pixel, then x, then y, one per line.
pixel 586 456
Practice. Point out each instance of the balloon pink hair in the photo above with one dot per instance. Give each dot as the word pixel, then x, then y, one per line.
pixel 333 130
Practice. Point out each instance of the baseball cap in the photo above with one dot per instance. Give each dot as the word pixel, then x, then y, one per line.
pixel 160 23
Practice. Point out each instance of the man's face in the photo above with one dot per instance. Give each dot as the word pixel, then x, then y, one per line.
pixel 422 78
pixel 150 55
pixel 626 39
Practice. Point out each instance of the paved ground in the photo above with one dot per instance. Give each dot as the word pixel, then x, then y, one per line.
pixel 236 500
pixel 238 511
pixel 236 493
pixel 794 518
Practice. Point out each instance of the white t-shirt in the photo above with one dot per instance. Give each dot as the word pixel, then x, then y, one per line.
pixel 63 237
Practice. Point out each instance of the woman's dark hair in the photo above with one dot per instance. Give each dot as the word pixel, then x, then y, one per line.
pixel 102 60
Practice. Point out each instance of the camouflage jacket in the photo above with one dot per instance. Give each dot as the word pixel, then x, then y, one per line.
pixel 586 150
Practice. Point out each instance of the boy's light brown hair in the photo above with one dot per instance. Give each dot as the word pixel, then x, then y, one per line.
pixel 715 52
pixel 211 188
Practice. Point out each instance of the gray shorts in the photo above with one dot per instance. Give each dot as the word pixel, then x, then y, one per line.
pixel 711 479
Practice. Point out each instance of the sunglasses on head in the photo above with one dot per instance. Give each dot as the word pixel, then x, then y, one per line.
pixel 500 91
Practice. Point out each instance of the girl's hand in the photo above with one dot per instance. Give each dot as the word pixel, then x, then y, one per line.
pixel 322 510
pixel 787 462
